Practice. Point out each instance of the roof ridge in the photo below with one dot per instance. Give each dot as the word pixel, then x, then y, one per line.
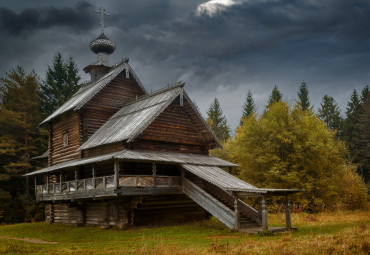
pixel 178 84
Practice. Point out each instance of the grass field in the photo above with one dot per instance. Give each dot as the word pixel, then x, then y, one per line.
pixel 325 233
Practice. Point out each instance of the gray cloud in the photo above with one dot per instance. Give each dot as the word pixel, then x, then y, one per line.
pixel 252 45
pixel 28 20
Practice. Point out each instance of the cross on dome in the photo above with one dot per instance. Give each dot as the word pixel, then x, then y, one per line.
pixel 102 13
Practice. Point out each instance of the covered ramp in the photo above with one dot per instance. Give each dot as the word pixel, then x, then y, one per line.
pixel 219 193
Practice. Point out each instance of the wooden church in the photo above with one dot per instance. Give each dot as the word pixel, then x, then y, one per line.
pixel 120 156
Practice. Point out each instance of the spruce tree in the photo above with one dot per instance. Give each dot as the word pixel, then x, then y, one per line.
pixel 249 106
pixel 363 125
pixel 303 99
pixel 275 96
pixel 19 119
pixel 364 94
pixel 351 132
pixel 329 112
pixel 217 121
pixel 60 84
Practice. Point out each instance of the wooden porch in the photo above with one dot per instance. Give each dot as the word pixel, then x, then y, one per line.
pixel 106 186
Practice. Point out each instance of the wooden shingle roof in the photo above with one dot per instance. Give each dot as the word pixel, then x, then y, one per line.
pixel 135 116
pixel 88 91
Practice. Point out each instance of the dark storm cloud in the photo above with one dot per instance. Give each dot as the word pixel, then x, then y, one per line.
pixel 252 44
pixel 76 19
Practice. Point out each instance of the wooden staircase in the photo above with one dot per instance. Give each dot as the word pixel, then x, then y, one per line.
pixel 220 203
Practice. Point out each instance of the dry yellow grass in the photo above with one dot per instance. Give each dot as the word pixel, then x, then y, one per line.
pixel 337 232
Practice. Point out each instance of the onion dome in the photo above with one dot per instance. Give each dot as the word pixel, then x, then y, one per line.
pixel 102 45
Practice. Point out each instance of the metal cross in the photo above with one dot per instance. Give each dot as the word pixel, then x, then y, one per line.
pixel 102 13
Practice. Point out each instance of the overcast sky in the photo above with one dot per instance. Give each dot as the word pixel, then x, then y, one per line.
pixel 219 48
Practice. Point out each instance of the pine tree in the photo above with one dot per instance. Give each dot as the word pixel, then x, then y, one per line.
pixel 351 132
pixel 303 98
pixel 364 94
pixel 19 119
pixel 249 106
pixel 329 112
pixel 275 96
pixel 60 84
pixel 363 125
pixel 217 121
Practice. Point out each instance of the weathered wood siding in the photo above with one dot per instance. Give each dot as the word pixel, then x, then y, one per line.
pixel 68 122
pixel 107 102
pixel 167 210
pixel 173 130
pixel 104 149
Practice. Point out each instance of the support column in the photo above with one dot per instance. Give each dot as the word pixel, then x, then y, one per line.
pixel 287 213
pixel 154 170
pixel 35 186
pixel 47 183
pixel 93 176
pixel 237 211
pixel 60 182
pixel 116 173
pixel 76 177
pixel 264 214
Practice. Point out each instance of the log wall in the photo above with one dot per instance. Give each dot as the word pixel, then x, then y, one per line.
pixel 67 123
pixel 107 102
pixel 173 131
pixel 104 149
pixel 127 211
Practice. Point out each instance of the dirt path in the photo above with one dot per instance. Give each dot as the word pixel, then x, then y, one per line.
pixel 30 240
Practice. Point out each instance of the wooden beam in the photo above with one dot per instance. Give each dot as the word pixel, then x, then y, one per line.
pixel 60 182
pixel 93 176
pixel 287 213
pixel 154 169
pixel 116 173
pixel 237 211
pixel 264 214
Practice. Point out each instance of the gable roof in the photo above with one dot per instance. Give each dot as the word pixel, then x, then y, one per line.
pixel 88 91
pixel 137 115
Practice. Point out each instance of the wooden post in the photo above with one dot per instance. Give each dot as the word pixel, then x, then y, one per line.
pixel 287 213
pixel 116 173
pixel 154 169
pixel 35 186
pixel 264 214
pixel 93 176
pixel 47 183
pixel 237 211
pixel 60 182
pixel 76 180
pixel 230 169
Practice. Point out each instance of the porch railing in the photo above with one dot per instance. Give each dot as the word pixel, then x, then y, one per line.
pixel 108 182
pixel 76 185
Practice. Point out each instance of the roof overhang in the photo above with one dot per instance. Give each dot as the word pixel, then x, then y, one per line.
pixel 140 156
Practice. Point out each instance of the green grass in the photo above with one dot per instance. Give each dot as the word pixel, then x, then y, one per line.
pixel 325 233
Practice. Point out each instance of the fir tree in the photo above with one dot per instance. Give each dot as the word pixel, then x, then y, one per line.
pixel 60 84
pixel 363 155
pixel 351 132
pixel 19 119
pixel 275 96
pixel 217 121
pixel 303 99
pixel 329 112
pixel 364 94
pixel 249 106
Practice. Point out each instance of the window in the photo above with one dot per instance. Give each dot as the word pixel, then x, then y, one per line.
pixel 65 139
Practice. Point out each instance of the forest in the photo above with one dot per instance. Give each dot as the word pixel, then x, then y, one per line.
pixel 288 145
